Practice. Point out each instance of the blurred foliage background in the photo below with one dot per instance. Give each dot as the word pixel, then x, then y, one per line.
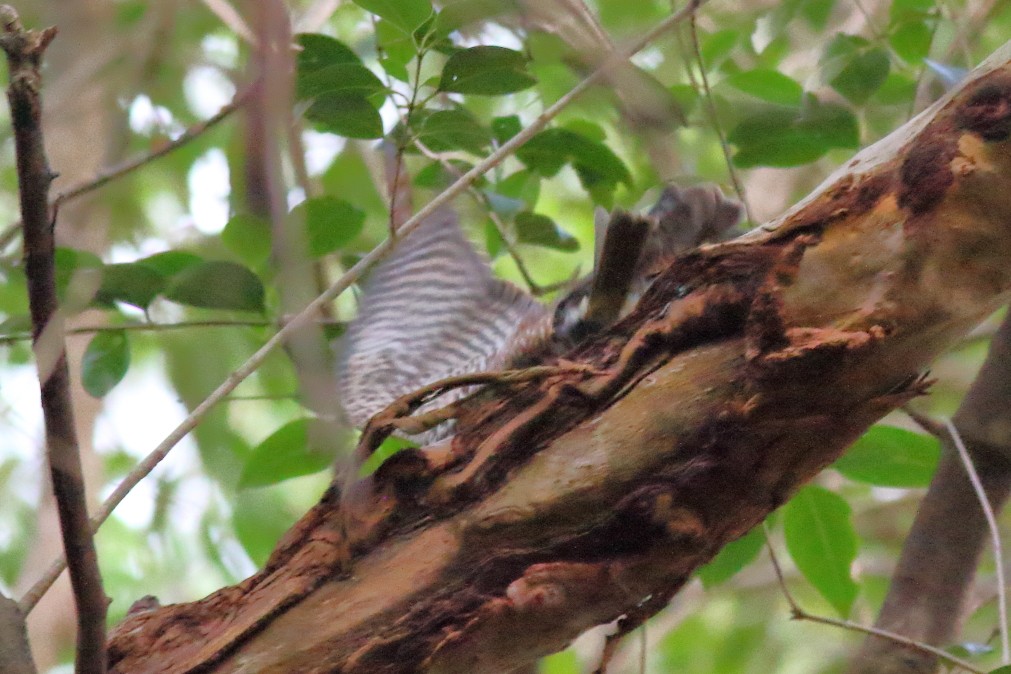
pixel 172 281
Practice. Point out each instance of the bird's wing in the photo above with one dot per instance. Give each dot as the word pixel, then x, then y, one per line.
pixel 430 310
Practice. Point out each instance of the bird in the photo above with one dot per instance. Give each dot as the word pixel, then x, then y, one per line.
pixel 433 309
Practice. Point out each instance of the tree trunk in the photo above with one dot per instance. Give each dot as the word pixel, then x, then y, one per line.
pixel 574 499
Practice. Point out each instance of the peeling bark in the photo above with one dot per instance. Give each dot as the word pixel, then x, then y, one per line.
pixel 572 500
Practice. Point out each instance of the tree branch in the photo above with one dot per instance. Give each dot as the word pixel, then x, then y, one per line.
pixel 583 497
pixel 24 50
pixel 15 655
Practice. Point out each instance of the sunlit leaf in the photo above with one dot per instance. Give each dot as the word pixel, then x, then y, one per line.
pixel 248 237
pixel 260 518
pixel 217 285
pixel 822 542
pixel 891 457
pixel 105 362
pixel 171 262
pixel 330 223
pixel 484 70
pixel 732 558
pixel 565 662
pixel 388 448
pixel 405 14
pixel 911 40
pixel 321 51
pixel 300 447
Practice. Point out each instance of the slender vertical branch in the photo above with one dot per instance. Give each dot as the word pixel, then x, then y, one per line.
pixel 24 50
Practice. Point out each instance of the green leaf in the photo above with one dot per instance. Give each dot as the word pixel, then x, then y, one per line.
pixel 345 114
pixel 405 14
pixel 456 14
pixel 217 285
pixel 260 519
pixel 171 262
pixel 817 12
pixel 342 78
pixel 566 662
pixel 504 128
pixel 398 48
pixel 891 457
pixel 105 362
pixel 768 85
pixel 717 47
pixel 388 448
pixel 298 448
pixel 249 237
pixel 854 67
pixel 732 558
pixel 1006 669
pixel 540 230
pixel 911 40
pixel 822 542
pixel 595 164
pixel 905 8
pixel 522 185
pixel 137 284
pixel 454 129
pixel 488 71
pixel 788 137
pixel 330 223
pixel 321 51
pixel 863 75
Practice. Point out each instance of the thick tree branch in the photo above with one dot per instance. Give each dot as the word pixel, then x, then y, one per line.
pixel 931 584
pixel 24 50
pixel 580 498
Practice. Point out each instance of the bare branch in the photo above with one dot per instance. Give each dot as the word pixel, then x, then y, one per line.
pixel 797 613
pixel 24 50
pixel 991 520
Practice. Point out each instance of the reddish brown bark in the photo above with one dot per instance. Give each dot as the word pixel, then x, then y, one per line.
pixel 579 498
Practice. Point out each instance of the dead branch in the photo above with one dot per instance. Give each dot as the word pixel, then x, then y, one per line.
pixel 24 50
pixel 572 501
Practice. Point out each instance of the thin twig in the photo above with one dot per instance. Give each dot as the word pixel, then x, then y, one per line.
pixel 928 424
pixel 108 175
pixel 24 50
pixel 797 613
pixel 148 464
pixel 991 520
pixel 711 105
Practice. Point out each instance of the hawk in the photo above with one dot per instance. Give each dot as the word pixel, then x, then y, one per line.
pixel 433 309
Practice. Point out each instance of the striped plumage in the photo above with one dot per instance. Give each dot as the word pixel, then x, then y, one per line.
pixel 433 308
